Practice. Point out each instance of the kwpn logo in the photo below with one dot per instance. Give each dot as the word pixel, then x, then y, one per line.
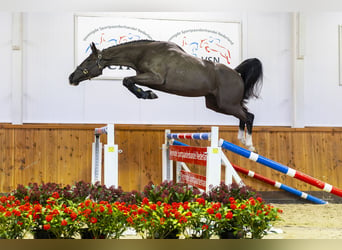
pixel 206 44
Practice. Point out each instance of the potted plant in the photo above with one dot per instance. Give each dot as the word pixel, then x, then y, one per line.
pixel 103 220
pixel 57 219
pixel 15 220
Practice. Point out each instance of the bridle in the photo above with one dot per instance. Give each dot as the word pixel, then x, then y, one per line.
pixel 98 62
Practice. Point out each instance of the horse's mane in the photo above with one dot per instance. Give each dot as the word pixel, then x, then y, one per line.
pixel 134 42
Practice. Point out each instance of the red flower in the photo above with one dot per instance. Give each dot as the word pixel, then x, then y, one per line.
pixel 93 220
pixel 189 214
pixel 46 227
pixel 67 210
pixel 20 223
pixel 141 211
pixel 252 201
pixel 232 200
pixel 186 205
pixel 201 201
pixel 48 218
pixel 102 209
pixel 16 212
pixel 233 206
pixel 8 213
pixel 229 215
pixel 243 206
pixel 153 207
pixel 73 216
pixel 87 203
pixel 64 223
pixel 55 212
pixel 218 216
pixel 145 201
pixel 130 220
pixel 205 227
pixel 162 221
pixel 55 195
pixel 37 208
pixel 216 206
pixel 210 211
pixel 183 219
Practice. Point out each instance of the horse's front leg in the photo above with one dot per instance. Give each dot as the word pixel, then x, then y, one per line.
pixel 145 79
pixel 129 83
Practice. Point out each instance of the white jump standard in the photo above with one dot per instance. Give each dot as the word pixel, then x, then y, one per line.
pixel 110 157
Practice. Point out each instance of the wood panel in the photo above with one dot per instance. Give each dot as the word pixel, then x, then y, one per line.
pixel 62 153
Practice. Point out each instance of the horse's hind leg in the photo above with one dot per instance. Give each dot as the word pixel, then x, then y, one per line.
pixel 246 119
pixel 249 125
pixel 241 133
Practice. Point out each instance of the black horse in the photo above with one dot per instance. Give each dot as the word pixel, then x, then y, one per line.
pixel 167 67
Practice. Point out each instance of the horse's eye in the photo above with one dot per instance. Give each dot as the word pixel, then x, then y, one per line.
pixel 85 71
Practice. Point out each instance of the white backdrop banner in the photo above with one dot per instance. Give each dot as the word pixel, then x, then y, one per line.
pixel 219 42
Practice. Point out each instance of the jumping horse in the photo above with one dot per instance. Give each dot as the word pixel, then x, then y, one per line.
pixel 166 67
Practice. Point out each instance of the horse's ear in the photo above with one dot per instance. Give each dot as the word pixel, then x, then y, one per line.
pixel 93 48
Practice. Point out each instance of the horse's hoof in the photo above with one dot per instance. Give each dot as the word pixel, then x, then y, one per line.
pixel 253 149
pixel 151 95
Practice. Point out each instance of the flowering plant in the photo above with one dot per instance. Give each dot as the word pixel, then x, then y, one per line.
pixel 254 216
pixel 169 192
pixel 15 219
pixel 203 220
pixel 57 217
pixel 223 192
pixel 158 213
pixel 157 220
pixel 104 220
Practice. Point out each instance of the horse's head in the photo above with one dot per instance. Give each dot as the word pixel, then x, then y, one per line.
pixel 89 68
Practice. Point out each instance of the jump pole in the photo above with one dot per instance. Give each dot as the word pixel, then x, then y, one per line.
pixel 110 157
pixel 279 185
pixel 279 167
pixel 254 175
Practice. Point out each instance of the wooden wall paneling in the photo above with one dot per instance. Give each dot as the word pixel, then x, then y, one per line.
pixel 62 153
pixel 155 155
pixel 84 154
pixel 50 162
pixel 22 158
pixel 133 180
pixel 6 160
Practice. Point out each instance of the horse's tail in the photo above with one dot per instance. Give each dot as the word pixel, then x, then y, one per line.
pixel 251 73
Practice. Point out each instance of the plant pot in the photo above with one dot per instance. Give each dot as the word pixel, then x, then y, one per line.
pixel 88 234
pixel 171 235
pixel 43 234
pixel 229 234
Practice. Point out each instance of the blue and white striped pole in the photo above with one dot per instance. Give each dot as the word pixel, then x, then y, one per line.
pixel 279 167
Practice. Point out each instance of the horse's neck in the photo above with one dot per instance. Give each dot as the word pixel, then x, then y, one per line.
pixel 122 55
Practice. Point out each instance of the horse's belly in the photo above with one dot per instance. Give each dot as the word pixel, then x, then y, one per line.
pixel 188 87
pixel 190 83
